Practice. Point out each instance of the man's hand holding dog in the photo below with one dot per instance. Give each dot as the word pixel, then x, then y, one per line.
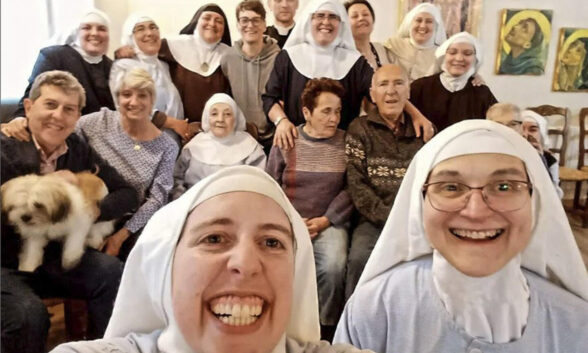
pixel 115 241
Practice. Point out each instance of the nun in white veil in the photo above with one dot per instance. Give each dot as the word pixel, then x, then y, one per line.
pixel 463 277
pixel 82 52
pixel 141 33
pixel 421 32
pixel 164 303
pixel 222 143
pixel 320 45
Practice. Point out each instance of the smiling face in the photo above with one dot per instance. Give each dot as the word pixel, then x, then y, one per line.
pixel 251 26
pixel 146 35
pixel 52 117
pixel 93 38
pixel 322 122
pixel 361 20
pixel 459 58
pixel 422 27
pixel 233 273
pixel 211 26
pixel 222 120
pixel 283 10
pixel 477 240
pixel 135 104
pixel 390 90
pixel 324 27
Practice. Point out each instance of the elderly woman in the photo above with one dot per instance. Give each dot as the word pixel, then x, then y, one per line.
pixel 129 142
pixel 534 129
pixel 361 19
pixel 312 174
pixel 321 45
pixel 213 274
pixel 477 255
pixel 223 142
pixel 83 55
pixel 449 96
pixel 419 35
pixel 141 33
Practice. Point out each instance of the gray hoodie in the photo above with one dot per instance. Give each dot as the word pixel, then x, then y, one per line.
pixel 248 77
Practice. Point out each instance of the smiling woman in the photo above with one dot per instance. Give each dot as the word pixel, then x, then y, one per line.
pixel 211 274
pixel 477 251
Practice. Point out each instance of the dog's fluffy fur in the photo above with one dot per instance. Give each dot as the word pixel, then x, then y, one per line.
pixel 45 208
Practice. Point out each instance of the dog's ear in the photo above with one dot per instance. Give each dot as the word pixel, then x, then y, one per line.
pixel 63 203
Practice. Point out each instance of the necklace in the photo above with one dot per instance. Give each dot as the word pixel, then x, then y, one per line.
pixel 204 66
pixel 137 146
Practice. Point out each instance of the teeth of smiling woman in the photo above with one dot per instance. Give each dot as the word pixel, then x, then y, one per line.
pixel 480 234
pixel 237 311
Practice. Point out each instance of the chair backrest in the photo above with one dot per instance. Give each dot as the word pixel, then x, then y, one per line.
pixel 583 146
pixel 557 118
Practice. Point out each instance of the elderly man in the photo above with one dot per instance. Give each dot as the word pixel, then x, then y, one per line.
pixel 248 65
pixel 284 11
pixel 379 147
pixel 526 44
pixel 54 106
pixel 506 114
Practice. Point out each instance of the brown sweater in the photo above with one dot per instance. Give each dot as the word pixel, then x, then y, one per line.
pixel 377 159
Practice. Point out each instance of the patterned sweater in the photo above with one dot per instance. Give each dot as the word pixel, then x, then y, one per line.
pixel 377 159
pixel 312 175
pixel 146 165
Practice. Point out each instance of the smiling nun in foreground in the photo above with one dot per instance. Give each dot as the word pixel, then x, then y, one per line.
pixel 212 274
pixel 477 255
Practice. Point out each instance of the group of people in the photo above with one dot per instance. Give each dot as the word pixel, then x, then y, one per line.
pixel 306 193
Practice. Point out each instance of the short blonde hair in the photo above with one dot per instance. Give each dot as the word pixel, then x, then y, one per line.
pixel 61 79
pixel 139 79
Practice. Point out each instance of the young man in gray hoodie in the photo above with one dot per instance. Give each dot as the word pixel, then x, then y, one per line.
pixel 248 66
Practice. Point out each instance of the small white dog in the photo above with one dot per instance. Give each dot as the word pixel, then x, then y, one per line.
pixel 49 207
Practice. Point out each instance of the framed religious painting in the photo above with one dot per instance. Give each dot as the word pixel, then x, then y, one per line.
pixel 458 15
pixel 523 42
pixel 571 64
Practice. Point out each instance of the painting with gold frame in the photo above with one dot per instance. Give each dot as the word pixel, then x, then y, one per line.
pixel 458 15
pixel 571 63
pixel 523 42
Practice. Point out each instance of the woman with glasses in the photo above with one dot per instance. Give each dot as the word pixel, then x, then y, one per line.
pixel 476 256
pixel 321 45
pixel 141 33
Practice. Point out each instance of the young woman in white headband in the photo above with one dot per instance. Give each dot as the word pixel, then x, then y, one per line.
pixel 476 256
pixel 213 274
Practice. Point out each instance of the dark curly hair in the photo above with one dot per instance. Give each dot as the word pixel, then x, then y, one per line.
pixel 315 87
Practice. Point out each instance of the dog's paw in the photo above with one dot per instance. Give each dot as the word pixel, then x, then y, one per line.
pixel 71 259
pixel 27 267
pixel 94 242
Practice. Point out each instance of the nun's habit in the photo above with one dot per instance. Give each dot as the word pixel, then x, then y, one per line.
pixel 143 318
pixel 91 71
pixel 167 95
pixel 550 161
pixel 536 303
pixel 445 99
pixel 195 64
pixel 303 59
pixel 206 153
pixel 417 59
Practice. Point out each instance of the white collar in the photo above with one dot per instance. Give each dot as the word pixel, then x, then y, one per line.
pixel 196 55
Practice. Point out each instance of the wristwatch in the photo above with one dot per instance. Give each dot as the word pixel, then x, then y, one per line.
pixel 279 120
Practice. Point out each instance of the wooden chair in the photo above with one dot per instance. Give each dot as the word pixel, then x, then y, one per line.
pixel 558 115
pixel 75 314
pixel 580 174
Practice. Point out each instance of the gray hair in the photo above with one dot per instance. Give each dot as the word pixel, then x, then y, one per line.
pixel 61 79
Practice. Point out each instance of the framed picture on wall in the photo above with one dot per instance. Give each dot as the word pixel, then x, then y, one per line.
pixel 458 15
pixel 523 42
pixel 571 64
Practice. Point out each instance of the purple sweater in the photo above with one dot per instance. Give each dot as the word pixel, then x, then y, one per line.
pixel 312 175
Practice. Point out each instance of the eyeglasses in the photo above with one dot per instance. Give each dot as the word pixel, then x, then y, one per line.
pixel 255 21
pixel 142 28
pixel 320 17
pixel 500 196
